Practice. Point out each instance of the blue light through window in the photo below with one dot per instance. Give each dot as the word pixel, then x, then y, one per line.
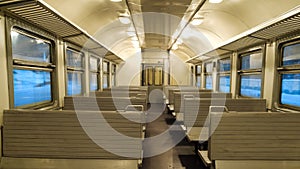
pixel 74 83
pixel 224 84
pixel 291 55
pixel 251 86
pixel 94 82
pixel 209 82
pixel 290 89
pixel 31 86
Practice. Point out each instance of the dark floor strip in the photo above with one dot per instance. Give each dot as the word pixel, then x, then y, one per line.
pixel 182 156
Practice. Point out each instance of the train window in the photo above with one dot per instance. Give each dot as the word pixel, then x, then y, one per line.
pixel 198 75
pixel 32 70
pixel 251 86
pixel 224 66
pixel 208 75
pixel 289 70
pixel 94 73
pixel 208 82
pixel 250 74
pixel 75 68
pixel 113 74
pixel 105 80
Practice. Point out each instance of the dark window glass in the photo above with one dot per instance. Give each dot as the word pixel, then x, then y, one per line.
pixel 74 59
pixel 224 65
pixel 94 82
pixel 251 86
pixel 291 55
pixel 224 84
pixel 29 48
pixel 31 86
pixel 290 89
pixel 74 83
pixel 208 82
pixel 251 61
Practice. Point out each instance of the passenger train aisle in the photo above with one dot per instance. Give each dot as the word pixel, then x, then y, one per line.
pixel 150 84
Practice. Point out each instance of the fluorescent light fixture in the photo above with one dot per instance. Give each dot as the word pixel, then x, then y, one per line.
pixel 131 33
pixel 124 20
pixel 215 1
pixel 197 21
pixel 134 38
pixel 116 0
pixel 175 46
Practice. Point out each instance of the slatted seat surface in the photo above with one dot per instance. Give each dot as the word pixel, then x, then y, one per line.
pixel 179 96
pixel 60 134
pixel 102 103
pixel 186 89
pixel 139 94
pixel 255 136
pixel 196 110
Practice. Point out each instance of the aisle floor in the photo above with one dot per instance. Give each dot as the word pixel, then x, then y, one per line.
pixel 182 156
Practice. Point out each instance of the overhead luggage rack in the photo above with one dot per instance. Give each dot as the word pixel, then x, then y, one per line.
pixel 39 13
pixel 285 25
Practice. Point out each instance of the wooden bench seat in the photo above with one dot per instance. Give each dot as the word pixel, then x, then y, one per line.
pixel 179 97
pixel 103 103
pixel 255 140
pixel 57 137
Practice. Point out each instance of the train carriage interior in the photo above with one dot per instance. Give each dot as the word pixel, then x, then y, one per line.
pixel 150 84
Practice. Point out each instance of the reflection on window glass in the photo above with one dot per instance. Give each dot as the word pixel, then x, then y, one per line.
pixel 94 82
pixel 198 69
pixel 290 89
pixel 291 54
pixel 74 58
pixel 31 86
pixel 105 81
pixel 113 80
pixel 105 66
pixel 208 67
pixel 224 65
pixel 224 84
pixel 208 82
pixel 28 48
pixel 93 64
pixel 251 61
pixel 198 83
pixel 74 83
pixel 251 86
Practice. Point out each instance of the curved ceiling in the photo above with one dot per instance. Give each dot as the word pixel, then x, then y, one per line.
pixel 221 21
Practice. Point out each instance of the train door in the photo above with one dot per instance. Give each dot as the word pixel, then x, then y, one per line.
pixel 153 77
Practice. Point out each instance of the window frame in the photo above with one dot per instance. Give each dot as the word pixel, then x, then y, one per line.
pixel 98 72
pixel 198 74
pixel 107 73
pixel 23 64
pixel 208 74
pixel 113 74
pixel 281 70
pixel 261 71
pixel 74 48
pixel 224 73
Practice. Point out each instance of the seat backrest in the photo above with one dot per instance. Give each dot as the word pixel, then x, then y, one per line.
pixel 179 96
pixel 254 136
pixel 102 103
pixel 70 134
pixel 196 110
